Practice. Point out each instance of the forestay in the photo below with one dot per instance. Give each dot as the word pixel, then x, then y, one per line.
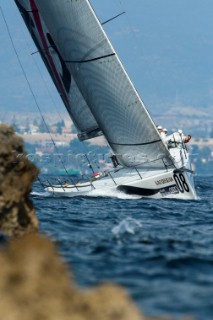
pixel 76 39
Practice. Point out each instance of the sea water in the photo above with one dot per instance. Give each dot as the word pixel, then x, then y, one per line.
pixel 161 251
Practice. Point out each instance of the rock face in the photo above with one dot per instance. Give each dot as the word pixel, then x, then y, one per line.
pixel 17 173
pixel 35 284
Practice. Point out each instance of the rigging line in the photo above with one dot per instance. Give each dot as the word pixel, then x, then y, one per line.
pixel 31 11
pixel 113 18
pixel 47 88
pixel 37 51
pixel 31 90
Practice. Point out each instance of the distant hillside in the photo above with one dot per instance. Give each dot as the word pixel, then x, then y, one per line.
pixel 166 47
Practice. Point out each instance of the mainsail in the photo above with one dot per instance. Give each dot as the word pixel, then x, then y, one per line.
pixel 94 85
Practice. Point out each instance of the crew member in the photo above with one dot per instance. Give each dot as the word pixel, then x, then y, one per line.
pixel 162 133
pixel 176 139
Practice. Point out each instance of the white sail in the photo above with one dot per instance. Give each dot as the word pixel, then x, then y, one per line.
pixel 76 105
pixel 112 104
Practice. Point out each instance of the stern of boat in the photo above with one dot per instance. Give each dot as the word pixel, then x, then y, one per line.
pixel 174 184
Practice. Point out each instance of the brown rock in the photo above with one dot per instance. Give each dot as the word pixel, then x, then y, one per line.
pixel 36 285
pixel 17 174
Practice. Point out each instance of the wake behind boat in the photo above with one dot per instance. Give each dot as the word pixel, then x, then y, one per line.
pixel 101 100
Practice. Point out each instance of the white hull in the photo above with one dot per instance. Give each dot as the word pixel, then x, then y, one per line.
pixel 176 184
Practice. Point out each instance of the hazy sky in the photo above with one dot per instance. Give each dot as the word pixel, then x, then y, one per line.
pixel 165 45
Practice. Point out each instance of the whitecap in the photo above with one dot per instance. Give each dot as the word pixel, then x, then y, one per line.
pixel 127 226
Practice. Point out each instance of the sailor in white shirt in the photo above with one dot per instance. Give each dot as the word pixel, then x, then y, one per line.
pixel 162 133
pixel 177 139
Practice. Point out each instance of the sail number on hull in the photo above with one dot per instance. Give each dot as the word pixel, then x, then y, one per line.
pixel 181 183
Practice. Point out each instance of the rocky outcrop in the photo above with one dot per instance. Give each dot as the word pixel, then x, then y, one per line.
pixel 17 173
pixel 35 284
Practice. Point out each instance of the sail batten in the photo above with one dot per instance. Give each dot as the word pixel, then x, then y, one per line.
pixel 136 144
pixel 92 59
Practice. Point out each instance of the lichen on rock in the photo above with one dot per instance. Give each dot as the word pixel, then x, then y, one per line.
pixel 17 174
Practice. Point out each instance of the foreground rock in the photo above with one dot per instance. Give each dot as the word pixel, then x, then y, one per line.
pixel 17 173
pixel 35 284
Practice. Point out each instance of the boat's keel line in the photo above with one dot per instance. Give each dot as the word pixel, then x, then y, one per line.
pixel 137 191
pixel 145 192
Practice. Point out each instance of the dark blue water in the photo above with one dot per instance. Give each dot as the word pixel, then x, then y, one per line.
pixel 161 251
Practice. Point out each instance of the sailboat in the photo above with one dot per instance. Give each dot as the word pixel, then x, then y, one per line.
pixel 102 100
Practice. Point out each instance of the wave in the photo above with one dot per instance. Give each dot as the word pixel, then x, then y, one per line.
pixel 40 194
pixel 128 226
pixel 112 194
